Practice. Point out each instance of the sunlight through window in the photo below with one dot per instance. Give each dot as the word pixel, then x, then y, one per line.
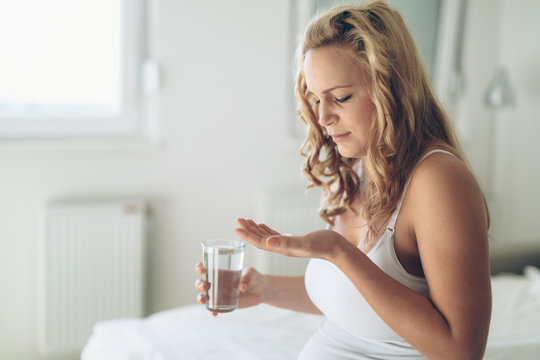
pixel 70 67
pixel 60 57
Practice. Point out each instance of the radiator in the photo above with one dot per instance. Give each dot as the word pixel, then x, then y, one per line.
pixel 91 268
pixel 289 210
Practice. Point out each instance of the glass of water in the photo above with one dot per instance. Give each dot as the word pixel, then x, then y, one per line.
pixel 223 260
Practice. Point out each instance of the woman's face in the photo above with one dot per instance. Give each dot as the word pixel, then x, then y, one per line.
pixel 339 85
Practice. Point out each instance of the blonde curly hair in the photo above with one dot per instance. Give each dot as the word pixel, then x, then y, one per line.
pixel 408 117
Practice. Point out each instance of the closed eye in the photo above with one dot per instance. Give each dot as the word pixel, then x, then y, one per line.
pixel 337 100
pixel 342 100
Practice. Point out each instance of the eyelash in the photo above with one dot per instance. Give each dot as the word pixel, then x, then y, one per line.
pixel 342 100
pixel 336 100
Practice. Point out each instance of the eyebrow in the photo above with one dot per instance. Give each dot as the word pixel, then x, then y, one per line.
pixel 333 88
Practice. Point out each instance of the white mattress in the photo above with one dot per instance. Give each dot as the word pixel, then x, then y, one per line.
pixel 266 332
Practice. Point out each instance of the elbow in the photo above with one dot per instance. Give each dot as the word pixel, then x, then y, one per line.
pixel 461 354
pixel 469 354
pixel 472 344
pixel 465 350
pixel 472 348
pixel 468 343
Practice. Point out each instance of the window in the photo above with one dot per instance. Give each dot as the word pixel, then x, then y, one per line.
pixel 71 67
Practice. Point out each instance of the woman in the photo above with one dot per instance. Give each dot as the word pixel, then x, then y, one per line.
pixel 403 270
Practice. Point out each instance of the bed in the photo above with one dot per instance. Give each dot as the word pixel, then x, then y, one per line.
pixel 265 332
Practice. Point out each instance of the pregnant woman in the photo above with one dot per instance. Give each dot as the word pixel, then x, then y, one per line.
pixel 402 271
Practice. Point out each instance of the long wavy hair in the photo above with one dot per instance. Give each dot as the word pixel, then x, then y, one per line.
pixel 408 117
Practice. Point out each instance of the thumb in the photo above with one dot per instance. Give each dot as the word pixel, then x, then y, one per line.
pixel 247 276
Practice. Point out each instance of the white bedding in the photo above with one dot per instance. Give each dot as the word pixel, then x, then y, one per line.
pixel 266 332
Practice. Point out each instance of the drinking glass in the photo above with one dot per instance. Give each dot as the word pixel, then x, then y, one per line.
pixel 223 260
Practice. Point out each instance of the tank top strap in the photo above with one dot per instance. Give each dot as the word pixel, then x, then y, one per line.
pixel 393 218
pixel 433 152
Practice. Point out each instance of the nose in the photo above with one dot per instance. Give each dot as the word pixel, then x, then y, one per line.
pixel 326 115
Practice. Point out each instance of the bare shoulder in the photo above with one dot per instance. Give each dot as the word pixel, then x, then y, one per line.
pixel 445 180
pixel 449 216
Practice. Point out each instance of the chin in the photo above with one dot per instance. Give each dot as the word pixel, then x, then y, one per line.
pixel 349 153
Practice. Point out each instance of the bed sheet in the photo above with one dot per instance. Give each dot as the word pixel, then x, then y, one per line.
pixel 515 321
pixel 268 333
pixel 263 332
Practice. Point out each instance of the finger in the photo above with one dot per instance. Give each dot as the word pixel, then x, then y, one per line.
pixel 249 225
pixel 201 299
pixel 243 223
pixel 252 227
pixel 199 268
pixel 251 222
pixel 286 245
pixel 250 237
pixel 287 241
pixel 247 274
pixel 201 285
pixel 269 230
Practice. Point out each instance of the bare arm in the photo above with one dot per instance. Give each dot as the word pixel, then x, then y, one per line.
pixel 450 228
pixel 288 292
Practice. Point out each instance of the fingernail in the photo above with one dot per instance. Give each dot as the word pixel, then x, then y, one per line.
pixel 272 242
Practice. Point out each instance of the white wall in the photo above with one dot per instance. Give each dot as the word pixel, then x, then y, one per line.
pixel 519 127
pixel 225 138
pixel 504 32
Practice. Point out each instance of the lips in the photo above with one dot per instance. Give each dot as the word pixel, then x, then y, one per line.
pixel 339 137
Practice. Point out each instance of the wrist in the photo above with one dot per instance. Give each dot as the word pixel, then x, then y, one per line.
pixel 340 248
pixel 266 292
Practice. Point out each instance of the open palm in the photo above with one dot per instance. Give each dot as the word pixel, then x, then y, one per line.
pixel 317 244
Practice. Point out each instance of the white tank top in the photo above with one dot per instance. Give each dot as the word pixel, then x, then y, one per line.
pixel 343 305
